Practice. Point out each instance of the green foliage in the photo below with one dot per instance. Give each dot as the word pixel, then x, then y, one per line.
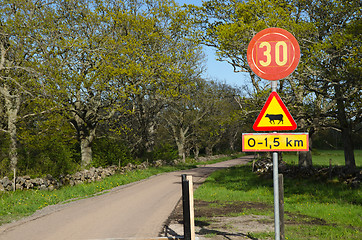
pixel 4 159
pixel 54 158
pixel 72 73
pixel 47 147
pixel 325 88
pixel 166 152
pixel 110 151
pixel 91 61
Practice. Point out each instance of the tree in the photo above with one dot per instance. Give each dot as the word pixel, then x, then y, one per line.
pixel 183 115
pixel 230 25
pixel 19 77
pixel 222 122
pixel 165 57
pixel 335 64
pixel 76 41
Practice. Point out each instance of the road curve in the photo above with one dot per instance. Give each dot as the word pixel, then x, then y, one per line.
pixel 134 210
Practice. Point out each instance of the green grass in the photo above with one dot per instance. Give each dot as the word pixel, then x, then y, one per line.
pixel 314 209
pixel 322 157
pixel 16 205
pixel 233 185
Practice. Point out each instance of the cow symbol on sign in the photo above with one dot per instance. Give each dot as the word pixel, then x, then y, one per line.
pixel 273 117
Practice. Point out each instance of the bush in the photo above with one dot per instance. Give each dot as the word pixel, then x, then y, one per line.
pixel 165 152
pixel 4 159
pixel 107 152
pixel 49 157
pixel 47 146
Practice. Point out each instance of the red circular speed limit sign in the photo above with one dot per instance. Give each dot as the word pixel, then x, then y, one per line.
pixel 273 53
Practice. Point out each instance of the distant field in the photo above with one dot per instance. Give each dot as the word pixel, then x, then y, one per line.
pixel 322 157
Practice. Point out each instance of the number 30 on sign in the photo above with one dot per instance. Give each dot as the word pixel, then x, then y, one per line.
pixel 267 142
pixel 273 53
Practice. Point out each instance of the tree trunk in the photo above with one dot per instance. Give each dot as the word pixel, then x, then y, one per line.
pixel 208 151
pixel 181 150
pixel 150 137
pixel 188 152
pixel 233 140
pixel 348 149
pixel 86 151
pixel 196 152
pixel 86 134
pixel 232 145
pixel 346 130
pixel 305 158
pixel 86 141
pixel 181 143
pixel 13 154
pixel 12 104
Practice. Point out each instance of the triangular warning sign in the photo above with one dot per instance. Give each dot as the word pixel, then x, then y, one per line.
pixel 274 116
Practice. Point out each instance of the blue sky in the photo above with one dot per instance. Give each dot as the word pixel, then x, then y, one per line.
pixel 221 71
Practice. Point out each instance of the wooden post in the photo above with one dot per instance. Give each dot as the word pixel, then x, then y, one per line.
pixel 192 213
pixel 281 205
pixel 188 207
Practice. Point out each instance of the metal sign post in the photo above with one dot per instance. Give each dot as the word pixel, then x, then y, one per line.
pixel 274 85
pixel 276 196
pixel 273 54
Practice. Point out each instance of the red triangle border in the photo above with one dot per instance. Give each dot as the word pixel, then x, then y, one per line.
pixel 286 112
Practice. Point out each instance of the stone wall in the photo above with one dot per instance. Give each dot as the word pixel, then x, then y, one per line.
pixel 85 176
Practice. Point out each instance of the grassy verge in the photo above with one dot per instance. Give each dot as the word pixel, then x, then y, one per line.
pixel 16 205
pixel 313 209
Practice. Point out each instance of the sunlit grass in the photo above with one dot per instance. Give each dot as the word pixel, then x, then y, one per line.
pixel 314 209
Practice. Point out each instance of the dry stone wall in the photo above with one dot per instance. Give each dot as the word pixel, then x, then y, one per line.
pixel 85 176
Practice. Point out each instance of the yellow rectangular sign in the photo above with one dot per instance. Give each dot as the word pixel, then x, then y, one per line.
pixel 275 142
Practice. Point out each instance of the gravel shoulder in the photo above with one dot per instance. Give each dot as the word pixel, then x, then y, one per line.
pixel 218 223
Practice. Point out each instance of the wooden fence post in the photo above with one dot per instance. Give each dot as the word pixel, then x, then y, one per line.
pixel 188 207
pixel 192 213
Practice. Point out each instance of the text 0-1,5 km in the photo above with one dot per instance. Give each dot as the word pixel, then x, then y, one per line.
pixel 266 142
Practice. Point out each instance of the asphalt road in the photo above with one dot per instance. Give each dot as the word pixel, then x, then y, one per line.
pixel 132 211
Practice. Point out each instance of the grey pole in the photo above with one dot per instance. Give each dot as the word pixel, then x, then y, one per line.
pixel 276 183
pixel 274 85
pixel 276 196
